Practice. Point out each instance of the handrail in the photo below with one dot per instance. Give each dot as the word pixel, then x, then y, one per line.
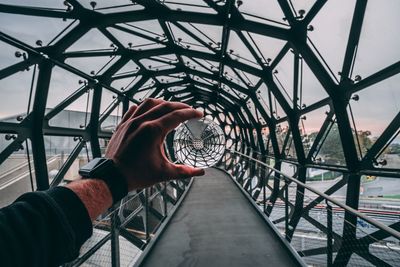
pixel 373 222
pixel 385 172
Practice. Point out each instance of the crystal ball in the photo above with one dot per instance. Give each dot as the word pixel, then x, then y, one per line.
pixel 199 143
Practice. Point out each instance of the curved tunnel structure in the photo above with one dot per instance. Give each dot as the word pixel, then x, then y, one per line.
pixel 298 85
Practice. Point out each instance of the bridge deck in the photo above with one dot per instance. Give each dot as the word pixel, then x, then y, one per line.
pixel 216 226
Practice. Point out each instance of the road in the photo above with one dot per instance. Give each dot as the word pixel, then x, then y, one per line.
pixel 14 183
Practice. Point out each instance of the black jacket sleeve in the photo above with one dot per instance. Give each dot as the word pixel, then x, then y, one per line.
pixel 43 228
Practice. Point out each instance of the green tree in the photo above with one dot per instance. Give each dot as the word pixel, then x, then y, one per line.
pixel 332 151
pixel 394 149
pixel 364 138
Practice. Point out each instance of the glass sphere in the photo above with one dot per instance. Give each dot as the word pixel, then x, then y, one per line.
pixel 199 143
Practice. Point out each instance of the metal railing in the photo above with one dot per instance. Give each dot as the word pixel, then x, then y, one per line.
pixel 122 233
pixel 314 222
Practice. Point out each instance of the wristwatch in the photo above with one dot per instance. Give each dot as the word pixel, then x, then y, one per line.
pixel 105 169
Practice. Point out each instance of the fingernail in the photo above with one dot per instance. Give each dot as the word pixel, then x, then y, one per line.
pixel 201 113
pixel 200 172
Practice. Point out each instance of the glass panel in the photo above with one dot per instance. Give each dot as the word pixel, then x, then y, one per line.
pixel 195 64
pixel 129 68
pixel 38 3
pixel 92 40
pixel 8 56
pixel 75 115
pixel 267 46
pixel 282 130
pixel 378 45
pixel 15 175
pixel 375 107
pixel 189 5
pixel 311 90
pixel 263 96
pixel 230 75
pixel 375 188
pixel 331 151
pixel 331 31
pixel 147 27
pixel 62 84
pixel 322 180
pixel 284 76
pixel 232 91
pixel 250 79
pixel 92 65
pixel 238 51
pixel 390 156
pixel 125 84
pixel 155 64
pixel 310 124
pixel 306 5
pixel 185 40
pixel 290 150
pixel 104 6
pixel 30 29
pixel 209 33
pixel 277 110
pixel 212 65
pixel 143 94
pixel 58 149
pixel 273 11
pixel 16 88
pixel 168 79
pixel 107 101
pixel 128 34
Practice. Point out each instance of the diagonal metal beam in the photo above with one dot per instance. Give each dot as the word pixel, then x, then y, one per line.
pixel 354 37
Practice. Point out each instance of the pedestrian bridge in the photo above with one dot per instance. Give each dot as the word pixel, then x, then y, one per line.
pixel 241 213
pixel 216 225
pixel 305 94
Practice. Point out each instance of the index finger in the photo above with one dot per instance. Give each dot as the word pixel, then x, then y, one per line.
pixel 127 115
pixel 171 120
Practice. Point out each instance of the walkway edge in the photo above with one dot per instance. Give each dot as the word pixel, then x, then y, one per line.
pixel 154 240
pixel 287 245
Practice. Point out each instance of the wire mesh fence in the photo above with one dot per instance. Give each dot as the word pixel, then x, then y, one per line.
pixel 130 226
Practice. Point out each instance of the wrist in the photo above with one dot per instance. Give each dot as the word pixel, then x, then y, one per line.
pixel 105 170
pixel 127 174
pixel 94 194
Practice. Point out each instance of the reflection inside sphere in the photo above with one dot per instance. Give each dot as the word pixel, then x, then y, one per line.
pixel 199 143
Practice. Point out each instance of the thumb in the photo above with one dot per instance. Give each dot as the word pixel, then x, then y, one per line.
pixel 179 171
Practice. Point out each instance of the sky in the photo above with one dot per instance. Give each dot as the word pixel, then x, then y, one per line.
pixel 378 48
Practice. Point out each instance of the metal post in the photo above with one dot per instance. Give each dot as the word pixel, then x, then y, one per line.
pixel 264 191
pixel 115 260
pixel 94 121
pixel 146 213
pixel 39 107
pixel 286 209
pixel 329 234
pixel 165 199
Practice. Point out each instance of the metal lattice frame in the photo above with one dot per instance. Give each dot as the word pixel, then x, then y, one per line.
pixel 190 77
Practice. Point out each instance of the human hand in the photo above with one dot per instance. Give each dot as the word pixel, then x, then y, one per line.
pixel 137 149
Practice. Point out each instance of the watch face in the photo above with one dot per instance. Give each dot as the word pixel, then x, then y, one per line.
pixel 103 168
pixel 89 169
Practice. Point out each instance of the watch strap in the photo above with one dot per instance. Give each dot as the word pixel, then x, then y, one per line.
pixel 105 169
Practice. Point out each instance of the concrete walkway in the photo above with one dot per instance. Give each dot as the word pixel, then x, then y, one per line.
pixel 217 226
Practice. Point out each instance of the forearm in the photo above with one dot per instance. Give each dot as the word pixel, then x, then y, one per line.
pixel 94 194
pixel 47 227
